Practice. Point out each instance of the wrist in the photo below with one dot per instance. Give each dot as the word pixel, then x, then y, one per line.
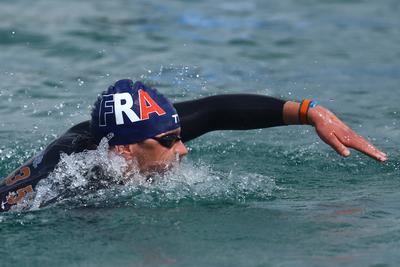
pixel 313 115
pixel 290 112
pixel 305 108
pixel 299 113
pixel 319 114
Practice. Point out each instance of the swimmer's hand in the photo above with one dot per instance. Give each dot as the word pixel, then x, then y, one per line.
pixel 339 136
pixel 333 131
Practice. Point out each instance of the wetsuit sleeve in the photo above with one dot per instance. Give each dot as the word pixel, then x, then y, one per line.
pixel 228 112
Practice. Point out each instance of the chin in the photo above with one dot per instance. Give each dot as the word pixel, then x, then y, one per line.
pixel 161 168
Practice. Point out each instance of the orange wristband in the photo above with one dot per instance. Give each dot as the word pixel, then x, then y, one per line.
pixel 303 110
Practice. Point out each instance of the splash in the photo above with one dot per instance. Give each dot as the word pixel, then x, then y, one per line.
pixel 99 178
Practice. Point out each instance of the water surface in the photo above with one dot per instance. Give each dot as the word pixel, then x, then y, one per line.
pixel 272 197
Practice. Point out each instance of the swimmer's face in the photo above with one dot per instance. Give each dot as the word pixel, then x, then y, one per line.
pixel 151 156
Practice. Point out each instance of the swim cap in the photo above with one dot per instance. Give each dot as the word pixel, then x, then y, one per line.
pixel 129 113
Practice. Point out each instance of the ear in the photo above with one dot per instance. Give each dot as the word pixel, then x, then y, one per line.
pixel 123 150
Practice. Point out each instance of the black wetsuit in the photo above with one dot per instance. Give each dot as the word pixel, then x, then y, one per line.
pixel 222 112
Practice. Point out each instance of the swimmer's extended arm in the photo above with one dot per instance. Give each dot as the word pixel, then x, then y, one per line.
pixel 332 131
pixel 242 111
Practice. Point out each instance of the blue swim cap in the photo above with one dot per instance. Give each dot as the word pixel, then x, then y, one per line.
pixel 129 113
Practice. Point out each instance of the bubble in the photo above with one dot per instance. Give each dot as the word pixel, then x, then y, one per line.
pixel 80 82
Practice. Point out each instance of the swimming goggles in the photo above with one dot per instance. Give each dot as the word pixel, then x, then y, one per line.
pixel 168 140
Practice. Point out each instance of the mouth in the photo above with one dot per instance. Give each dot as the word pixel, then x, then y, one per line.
pixel 160 168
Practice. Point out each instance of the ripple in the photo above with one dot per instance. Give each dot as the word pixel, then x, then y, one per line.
pixel 15 36
pixel 67 50
pixel 242 42
pixel 97 36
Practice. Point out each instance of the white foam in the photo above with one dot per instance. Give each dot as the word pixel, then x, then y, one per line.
pixel 74 181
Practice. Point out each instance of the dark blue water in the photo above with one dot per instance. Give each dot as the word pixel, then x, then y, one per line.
pixel 272 197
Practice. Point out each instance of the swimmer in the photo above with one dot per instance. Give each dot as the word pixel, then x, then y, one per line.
pixel 142 126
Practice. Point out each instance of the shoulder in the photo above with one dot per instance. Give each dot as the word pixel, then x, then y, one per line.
pixel 74 140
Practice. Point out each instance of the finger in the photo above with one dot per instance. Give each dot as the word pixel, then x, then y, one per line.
pixel 359 143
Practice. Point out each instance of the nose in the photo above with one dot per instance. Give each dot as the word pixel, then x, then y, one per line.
pixel 181 149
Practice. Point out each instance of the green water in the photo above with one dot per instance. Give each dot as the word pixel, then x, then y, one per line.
pixel 272 197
